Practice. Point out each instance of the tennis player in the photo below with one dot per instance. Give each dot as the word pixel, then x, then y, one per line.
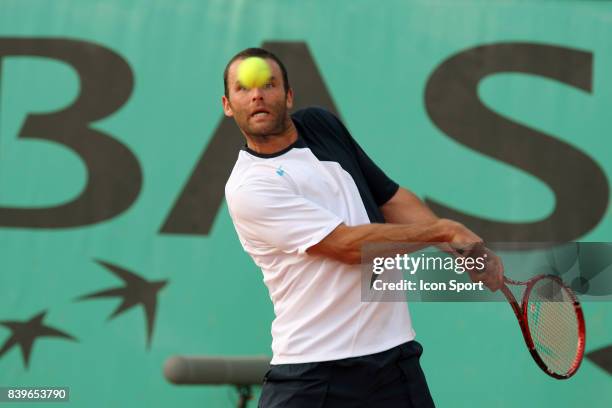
pixel 304 197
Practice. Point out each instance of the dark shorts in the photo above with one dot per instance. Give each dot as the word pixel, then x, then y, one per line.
pixel 392 378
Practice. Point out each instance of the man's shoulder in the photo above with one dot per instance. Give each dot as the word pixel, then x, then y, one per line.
pixel 252 176
pixel 254 191
pixel 321 126
pixel 316 115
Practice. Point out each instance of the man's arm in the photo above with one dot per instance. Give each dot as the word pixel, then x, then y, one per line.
pixel 406 208
pixel 344 243
pixel 409 220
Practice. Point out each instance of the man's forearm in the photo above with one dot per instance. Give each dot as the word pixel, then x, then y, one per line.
pixel 345 243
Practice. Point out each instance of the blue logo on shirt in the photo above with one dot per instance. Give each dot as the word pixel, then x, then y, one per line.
pixel 280 171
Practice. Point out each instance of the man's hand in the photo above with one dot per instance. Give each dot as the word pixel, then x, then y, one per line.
pixel 465 243
pixel 459 240
pixel 462 239
pixel 493 274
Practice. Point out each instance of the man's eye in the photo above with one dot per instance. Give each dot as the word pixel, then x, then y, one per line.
pixel 268 85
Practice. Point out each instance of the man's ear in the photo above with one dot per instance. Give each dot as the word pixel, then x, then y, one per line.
pixel 289 98
pixel 227 108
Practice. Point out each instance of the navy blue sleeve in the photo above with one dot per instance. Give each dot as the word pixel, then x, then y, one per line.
pixel 381 186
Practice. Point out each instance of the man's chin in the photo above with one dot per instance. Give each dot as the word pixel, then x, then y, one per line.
pixel 264 131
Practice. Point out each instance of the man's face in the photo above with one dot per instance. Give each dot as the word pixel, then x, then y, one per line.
pixel 261 111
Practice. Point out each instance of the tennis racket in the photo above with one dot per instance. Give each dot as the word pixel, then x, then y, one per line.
pixel 551 319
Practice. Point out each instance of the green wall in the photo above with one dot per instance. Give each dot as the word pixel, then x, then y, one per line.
pixel 376 59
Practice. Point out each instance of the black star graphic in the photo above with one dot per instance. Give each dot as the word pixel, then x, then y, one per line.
pixel 602 358
pixel 25 333
pixel 137 291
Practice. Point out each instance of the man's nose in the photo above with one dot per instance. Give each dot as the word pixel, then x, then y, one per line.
pixel 256 93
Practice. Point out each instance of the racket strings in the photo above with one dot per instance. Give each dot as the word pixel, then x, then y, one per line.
pixel 553 325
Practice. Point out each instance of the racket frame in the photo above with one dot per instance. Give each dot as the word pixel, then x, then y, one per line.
pixel 521 315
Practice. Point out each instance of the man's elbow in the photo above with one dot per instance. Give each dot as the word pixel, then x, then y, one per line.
pixel 350 257
pixel 341 254
pixel 338 247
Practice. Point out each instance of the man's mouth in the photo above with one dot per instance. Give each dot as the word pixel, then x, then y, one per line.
pixel 260 113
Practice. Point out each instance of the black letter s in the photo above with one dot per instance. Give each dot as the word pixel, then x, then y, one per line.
pixel 579 184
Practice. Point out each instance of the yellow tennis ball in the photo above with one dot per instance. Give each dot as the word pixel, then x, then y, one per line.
pixel 253 72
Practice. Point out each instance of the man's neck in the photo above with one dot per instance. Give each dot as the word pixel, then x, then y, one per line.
pixel 273 144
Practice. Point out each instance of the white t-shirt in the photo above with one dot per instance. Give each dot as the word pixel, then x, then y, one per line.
pixel 281 204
